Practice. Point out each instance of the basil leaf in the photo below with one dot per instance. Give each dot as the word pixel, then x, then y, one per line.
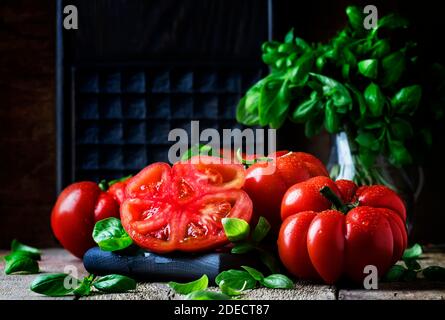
pixel 115 283
pixel 241 248
pixel 306 110
pixel 359 99
pixel 381 48
pixel 399 155
pixel 236 279
pixel 186 288
pixel 273 102
pixel 434 273
pixel 331 120
pixel 269 261
pixel 375 99
pixel 289 37
pixel 200 149
pixel 412 264
pixel 244 116
pixel 32 252
pixel 257 275
pixel 395 273
pixel 401 129
pixel 407 99
pixel 235 229
pixel 207 295
pixel 19 261
pixel 413 253
pixel 54 285
pixel 393 67
pixel 367 140
pixel 302 45
pixel 277 281
pixel 313 126
pixel 84 289
pixel 110 235
pixel 261 230
pixel 367 156
pixel 299 74
pixel 392 21
pixel 355 17
pixel 335 90
pixel 368 68
pixel 409 275
pixel 226 289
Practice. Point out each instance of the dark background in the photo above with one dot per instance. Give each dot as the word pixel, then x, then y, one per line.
pixel 191 30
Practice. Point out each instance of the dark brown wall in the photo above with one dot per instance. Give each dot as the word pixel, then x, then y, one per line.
pixel 27 120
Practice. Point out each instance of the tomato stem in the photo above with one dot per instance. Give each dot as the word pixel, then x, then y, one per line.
pixel 334 199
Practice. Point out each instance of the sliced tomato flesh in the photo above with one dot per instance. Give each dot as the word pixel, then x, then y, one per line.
pixel 181 208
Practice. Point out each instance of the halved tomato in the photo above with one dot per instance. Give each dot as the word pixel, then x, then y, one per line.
pixel 181 207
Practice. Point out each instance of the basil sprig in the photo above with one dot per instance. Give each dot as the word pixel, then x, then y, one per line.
pixel 360 81
pixel 63 284
pixel 22 259
pixel 238 232
pixel 110 235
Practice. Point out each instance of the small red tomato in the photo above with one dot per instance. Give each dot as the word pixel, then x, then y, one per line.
pixel 267 190
pixel 77 209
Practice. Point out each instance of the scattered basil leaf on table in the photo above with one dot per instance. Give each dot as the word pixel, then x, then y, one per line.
pixel 186 288
pixel 236 279
pixel 19 261
pixel 395 273
pixel 277 281
pixel 115 283
pixel 257 275
pixel 110 235
pixel 434 273
pixel 54 285
pixel 32 252
pixel 413 253
pixel 207 295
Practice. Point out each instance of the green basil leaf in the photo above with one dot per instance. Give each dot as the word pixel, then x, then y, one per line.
pixel 434 273
pixel 355 17
pixel 367 156
pixel 393 67
pixel 84 289
pixel 289 37
pixel 367 140
pixel 399 155
pixel 226 289
pixel 359 99
pixel 54 285
pixel 32 252
pixel 236 279
pixel 392 21
pixel 257 275
pixel 335 90
pixel 207 295
pixel 407 99
pixel 412 264
pixel 110 235
pixel 277 281
pixel 244 116
pixel 241 248
pixel 332 119
pixel 368 68
pixel 19 261
pixel 186 288
pixel 274 102
pixel 261 230
pixel 413 253
pixel 269 261
pixel 401 129
pixel 381 48
pixel 409 275
pixel 313 126
pixel 306 110
pixel 395 273
pixel 115 283
pixel 299 74
pixel 375 99
pixel 235 229
pixel 200 149
pixel 302 45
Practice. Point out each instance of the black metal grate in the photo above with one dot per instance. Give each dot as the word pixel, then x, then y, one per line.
pixel 122 115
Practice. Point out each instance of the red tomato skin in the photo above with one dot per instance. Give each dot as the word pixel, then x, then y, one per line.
pixel 347 190
pixel 381 197
pixel 117 190
pixel 305 196
pixel 292 245
pixel 369 241
pixel 267 190
pixel 75 212
pixel 326 244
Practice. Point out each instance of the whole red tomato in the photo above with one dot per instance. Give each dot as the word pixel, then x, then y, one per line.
pixel 181 207
pixel 317 242
pixel 266 190
pixel 77 209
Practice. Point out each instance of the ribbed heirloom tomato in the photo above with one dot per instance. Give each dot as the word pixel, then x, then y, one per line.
pixel 181 207
pixel 266 190
pixel 367 227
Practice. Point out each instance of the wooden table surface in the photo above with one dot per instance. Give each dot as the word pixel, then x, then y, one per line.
pixel 16 287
